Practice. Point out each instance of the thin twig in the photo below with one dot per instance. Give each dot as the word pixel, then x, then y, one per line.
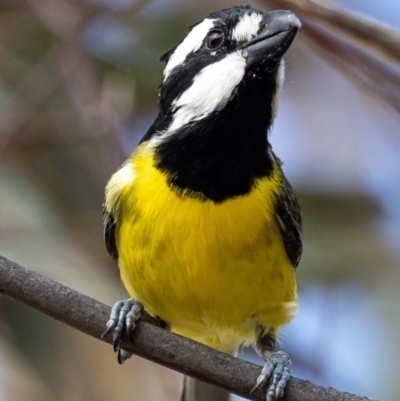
pixel 150 342
pixel 362 48
pixel 66 22
pixel 364 29
pixel 378 76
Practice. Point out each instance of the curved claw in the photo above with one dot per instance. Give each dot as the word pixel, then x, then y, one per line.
pixel 123 355
pixel 123 317
pixel 108 330
pixel 277 371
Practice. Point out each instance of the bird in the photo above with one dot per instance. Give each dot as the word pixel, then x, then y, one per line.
pixel 203 224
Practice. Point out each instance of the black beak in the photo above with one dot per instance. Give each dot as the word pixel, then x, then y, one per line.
pixel 272 42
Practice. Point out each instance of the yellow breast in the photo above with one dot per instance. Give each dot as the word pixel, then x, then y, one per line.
pixel 212 271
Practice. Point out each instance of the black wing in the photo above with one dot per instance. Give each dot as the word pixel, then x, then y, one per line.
pixel 109 235
pixel 289 218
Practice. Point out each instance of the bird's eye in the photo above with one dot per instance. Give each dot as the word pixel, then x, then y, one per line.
pixel 214 40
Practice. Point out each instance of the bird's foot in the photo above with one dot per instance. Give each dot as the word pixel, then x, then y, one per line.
pixel 123 318
pixel 276 371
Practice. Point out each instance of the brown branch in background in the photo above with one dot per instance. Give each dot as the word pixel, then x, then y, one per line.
pixel 153 343
pixel 32 92
pixel 376 75
pixel 360 47
pixel 366 30
pixel 82 81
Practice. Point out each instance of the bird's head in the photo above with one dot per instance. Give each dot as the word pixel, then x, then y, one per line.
pixel 218 99
pixel 230 56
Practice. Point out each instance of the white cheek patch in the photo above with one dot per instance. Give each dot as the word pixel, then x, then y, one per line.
pixel 190 44
pixel 210 91
pixel 247 27
pixel 280 76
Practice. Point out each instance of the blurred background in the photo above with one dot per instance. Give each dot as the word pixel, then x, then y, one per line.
pixel 78 88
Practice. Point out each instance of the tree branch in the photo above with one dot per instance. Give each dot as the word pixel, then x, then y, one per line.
pixel 359 46
pixel 158 345
pixel 360 27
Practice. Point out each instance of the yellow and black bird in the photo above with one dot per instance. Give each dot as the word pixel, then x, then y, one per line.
pixel 204 226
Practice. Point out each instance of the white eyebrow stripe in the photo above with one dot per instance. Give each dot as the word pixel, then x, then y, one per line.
pixel 210 91
pixel 247 27
pixel 190 44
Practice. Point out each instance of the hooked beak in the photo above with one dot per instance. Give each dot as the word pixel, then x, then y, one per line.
pixel 272 43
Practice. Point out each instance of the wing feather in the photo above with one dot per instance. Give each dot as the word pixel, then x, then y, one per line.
pixel 109 235
pixel 289 219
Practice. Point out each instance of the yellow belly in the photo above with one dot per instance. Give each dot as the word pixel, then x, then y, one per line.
pixel 212 271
